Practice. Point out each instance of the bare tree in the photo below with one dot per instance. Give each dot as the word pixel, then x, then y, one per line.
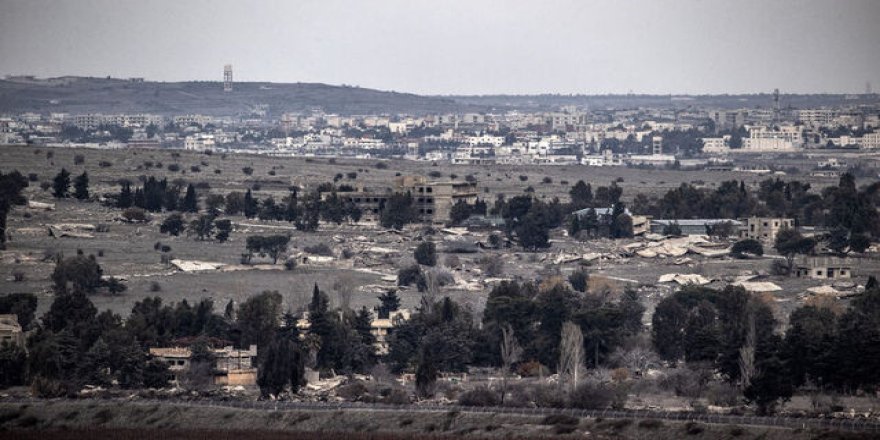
pixel 571 353
pixel 747 354
pixel 510 354
pixel 344 287
pixel 432 291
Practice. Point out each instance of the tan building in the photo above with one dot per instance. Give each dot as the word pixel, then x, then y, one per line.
pixel 381 328
pixel 765 229
pixel 433 200
pixel 10 330
pixel 824 268
pixel 233 366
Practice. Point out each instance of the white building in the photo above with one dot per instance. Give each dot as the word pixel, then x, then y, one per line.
pixel 495 141
pixel 199 142
pixel 717 145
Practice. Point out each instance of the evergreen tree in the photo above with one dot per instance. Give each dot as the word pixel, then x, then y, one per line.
pixel 81 186
pixel 322 325
pixel 126 199
pixel 61 184
pixel 172 225
pixel 282 364
pixel 581 195
pixel 11 187
pixel 388 302
pixel 250 205
pixel 190 200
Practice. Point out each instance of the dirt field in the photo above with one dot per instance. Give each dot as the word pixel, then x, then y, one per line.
pixel 95 419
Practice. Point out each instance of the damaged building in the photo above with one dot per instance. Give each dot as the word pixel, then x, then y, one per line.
pixel 232 366
pixel 433 200
pixel 824 268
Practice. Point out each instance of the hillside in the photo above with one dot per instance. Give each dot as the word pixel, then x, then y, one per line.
pixel 85 95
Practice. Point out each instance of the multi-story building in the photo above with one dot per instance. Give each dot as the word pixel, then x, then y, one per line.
pixel 199 142
pixel 717 145
pixel 433 201
pixel 10 330
pixel 767 139
pixel 765 229
pixel 232 366
pixel 816 117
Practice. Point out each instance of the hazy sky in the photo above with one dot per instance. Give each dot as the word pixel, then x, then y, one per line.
pixel 458 47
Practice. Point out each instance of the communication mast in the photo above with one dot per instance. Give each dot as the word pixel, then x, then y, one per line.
pixel 227 78
pixel 775 105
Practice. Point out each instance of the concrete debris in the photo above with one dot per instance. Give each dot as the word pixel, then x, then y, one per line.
pixel 73 230
pixel 195 265
pixel 380 250
pixel 592 256
pixel 684 279
pixel 824 291
pixel 40 205
pixel 758 286
pixel 566 258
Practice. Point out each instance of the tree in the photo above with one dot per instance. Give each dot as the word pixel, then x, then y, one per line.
pixel 272 245
pixel 747 246
pixel 581 195
pixel 282 365
pixel 398 211
pixel 22 305
pixel 510 354
pixel 426 375
pixel 80 272
pixel 388 302
pixel 224 229
pixel 61 184
pixel 235 203
pixel 790 243
pixel 13 365
pixel 533 232
pixel 11 186
pixel 772 384
pixel 81 186
pixel 125 199
pixel 257 318
pixel 172 225
pixel 190 200
pixel 571 353
pixel 203 226
pixel 459 212
pixel 579 280
pixel 323 327
pixel 250 207
pixel 426 253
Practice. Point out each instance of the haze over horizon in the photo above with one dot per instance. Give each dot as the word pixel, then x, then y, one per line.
pixel 458 47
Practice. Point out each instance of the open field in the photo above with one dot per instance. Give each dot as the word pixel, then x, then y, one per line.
pixel 75 419
pixel 127 250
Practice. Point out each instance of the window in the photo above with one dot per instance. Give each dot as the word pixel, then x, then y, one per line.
pixel 430 189
pixel 819 273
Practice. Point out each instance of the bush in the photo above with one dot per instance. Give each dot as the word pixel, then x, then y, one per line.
pixel 426 254
pixel 442 277
pixel 452 262
pixel 155 286
pixel 32 177
pixel 579 280
pixel 352 392
pixel 411 275
pixel 79 159
pixel 492 265
pixel 747 246
pixel 547 180
pixel 591 395
pixel 18 277
pixel 195 169
pixel 135 215
pixel 319 249
pixel 523 178
pixel 560 419
pixel 290 264
pixel 381 165
pixel 479 396
pixel 723 394
pixel 247 171
pixel 780 268
pixel 174 168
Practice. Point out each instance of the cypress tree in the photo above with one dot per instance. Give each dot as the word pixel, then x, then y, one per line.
pixel 125 197
pixel 190 200
pixel 81 186
pixel 61 184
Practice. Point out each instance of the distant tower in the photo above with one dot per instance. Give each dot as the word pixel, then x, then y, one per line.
pixel 868 89
pixel 227 78
pixel 775 105
pixel 657 144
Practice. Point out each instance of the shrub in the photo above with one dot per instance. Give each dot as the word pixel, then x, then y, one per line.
pixel 290 264
pixel 723 394
pixel 411 275
pixel 319 249
pixel 195 169
pixel 442 277
pixel 492 265
pixel 591 395
pixel 174 168
pixel 650 424
pixel 135 215
pixel 495 241
pixel 155 286
pixel 747 246
pixel 32 177
pixel 102 227
pixel 780 268
pixel 479 396
pixel 452 261
pixel 381 165
pixel 18 277
pixel 247 171
pixel 79 159
pixel 579 280
pixel 523 178
pixel 435 174
pixel 460 247
pixel 426 253
pixel 547 179
pixel 352 392
pixel 560 419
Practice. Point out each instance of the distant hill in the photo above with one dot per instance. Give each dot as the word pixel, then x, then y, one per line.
pixel 105 95
pixel 109 95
